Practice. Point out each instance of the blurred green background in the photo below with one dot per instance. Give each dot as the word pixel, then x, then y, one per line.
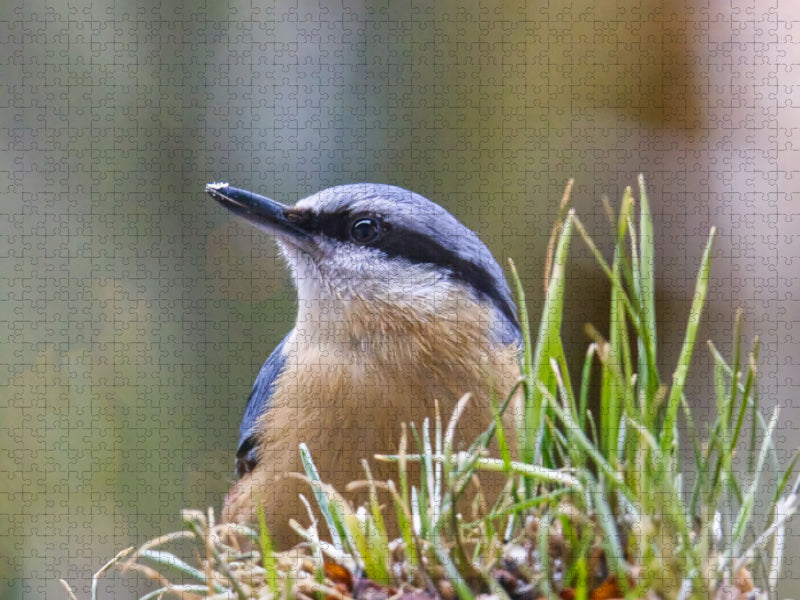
pixel 135 312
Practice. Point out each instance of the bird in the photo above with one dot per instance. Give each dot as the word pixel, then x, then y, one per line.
pixel 399 305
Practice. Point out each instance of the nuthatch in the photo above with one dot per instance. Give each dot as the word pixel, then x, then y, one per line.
pixel 399 305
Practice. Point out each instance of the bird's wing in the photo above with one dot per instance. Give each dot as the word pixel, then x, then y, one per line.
pixel 257 404
pixel 505 331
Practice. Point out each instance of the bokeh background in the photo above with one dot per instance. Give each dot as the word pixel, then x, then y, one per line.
pixel 134 312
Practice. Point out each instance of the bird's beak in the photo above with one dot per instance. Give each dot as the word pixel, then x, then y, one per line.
pixel 266 214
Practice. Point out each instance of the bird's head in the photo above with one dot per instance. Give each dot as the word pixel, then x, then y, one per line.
pixel 371 243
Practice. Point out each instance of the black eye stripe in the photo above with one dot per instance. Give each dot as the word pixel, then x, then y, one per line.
pixel 415 247
pixel 421 249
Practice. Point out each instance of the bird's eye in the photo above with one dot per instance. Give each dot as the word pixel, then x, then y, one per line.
pixel 366 230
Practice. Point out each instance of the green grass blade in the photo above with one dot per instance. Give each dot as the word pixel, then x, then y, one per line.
pixel 502 442
pixel 737 354
pixel 332 519
pixel 613 548
pixel 746 402
pixel 542 539
pixel 646 293
pixel 719 435
pixel 617 353
pixel 535 472
pixel 429 482
pixel 785 479
pixel 568 405
pixel 685 356
pixel 586 378
pixel 700 482
pixel 754 405
pixel 547 340
pixel 404 519
pixel 579 438
pixel 372 547
pixel 743 518
pixel 791 506
pixel 268 553
pixel 523 434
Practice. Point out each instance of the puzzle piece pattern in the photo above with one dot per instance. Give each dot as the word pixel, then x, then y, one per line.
pixel 135 313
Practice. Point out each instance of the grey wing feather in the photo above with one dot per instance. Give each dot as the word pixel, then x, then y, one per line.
pixel 505 331
pixel 257 404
